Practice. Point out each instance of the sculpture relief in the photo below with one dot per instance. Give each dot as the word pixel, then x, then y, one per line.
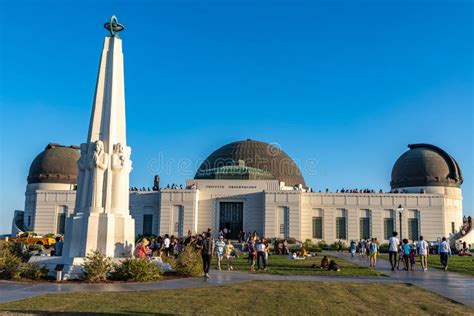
pixel 97 165
pixel 83 177
pixel 118 163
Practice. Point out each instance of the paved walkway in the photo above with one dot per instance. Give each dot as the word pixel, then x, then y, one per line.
pixel 452 285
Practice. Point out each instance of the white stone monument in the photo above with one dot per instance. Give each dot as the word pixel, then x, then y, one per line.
pixel 101 218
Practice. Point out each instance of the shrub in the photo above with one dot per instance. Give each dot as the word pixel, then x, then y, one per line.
pixel 10 265
pixel 138 270
pixel 383 248
pixel 97 267
pixel 323 245
pixel 189 262
pixel 308 243
pixel 291 240
pixel 32 270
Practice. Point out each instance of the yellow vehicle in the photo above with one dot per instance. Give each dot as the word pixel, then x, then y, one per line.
pixel 31 238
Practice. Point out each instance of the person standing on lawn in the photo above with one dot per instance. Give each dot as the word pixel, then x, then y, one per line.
pixel 261 254
pixel 444 251
pixel 423 252
pixel 219 247
pixel 393 250
pixel 252 254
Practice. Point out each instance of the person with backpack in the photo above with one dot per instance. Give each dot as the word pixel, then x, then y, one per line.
pixel 206 246
pixel 373 250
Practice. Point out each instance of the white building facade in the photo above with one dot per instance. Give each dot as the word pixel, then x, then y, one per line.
pixel 242 196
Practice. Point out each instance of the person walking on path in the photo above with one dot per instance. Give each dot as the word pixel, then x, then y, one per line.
pixel 444 251
pixel 352 248
pixel 207 248
pixel 229 254
pixel 393 243
pixel 219 248
pixel 423 252
pixel 373 250
pixel 406 253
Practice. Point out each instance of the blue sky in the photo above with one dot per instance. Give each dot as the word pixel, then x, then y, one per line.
pixel 345 84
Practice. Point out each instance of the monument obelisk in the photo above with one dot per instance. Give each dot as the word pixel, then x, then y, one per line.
pixel 101 219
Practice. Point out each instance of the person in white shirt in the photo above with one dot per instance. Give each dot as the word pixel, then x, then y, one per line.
pixel 393 244
pixel 444 251
pixel 423 251
pixel 166 245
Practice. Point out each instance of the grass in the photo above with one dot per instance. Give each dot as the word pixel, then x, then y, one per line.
pixel 463 265
pixel 252 298
pixel 281 265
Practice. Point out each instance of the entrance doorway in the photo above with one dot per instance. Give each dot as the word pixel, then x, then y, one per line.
pixel 231 216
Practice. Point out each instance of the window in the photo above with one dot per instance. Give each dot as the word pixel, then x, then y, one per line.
pixel 413 228
pixel 453 227
pixel 178 218
pixel 318 227
pixel 413 224
pixel 61 219
pixel 341 228
pixel 147 224
pixel 283 220
pixel 388 227
pixel 61 223
pixel 364 227
pixel 29 221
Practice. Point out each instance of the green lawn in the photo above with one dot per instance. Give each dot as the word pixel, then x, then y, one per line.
pixel 464 265
pixel 280 264
pixel 252 298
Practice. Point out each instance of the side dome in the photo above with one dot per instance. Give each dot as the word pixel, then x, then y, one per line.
pixel 257 160
pixel 56 164
pixel 426 165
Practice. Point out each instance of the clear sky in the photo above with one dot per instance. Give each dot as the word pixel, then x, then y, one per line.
pixel 341 86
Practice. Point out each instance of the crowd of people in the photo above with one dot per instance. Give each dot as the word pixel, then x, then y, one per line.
pixel 405 252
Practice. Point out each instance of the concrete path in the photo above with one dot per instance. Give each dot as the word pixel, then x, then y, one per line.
pixel 452 285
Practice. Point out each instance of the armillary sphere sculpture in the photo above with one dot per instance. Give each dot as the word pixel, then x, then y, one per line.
pixel 113 26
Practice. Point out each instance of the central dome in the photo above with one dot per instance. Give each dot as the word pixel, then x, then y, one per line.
pixel 260 160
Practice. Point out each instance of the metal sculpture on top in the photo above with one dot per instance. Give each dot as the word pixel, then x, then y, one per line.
pixel 113 26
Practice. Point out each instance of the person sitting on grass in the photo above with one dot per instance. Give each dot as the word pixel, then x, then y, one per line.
pixel 333 266
pixel 324 263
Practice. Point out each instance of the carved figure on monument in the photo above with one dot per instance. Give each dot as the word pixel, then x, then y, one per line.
pixel 97 165
pixel 118 162
pixel 83 177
